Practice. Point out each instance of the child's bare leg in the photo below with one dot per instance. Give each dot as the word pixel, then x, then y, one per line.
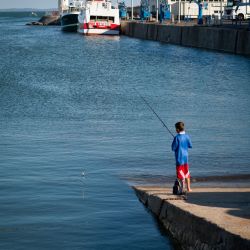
pixel 183 184
pixel 188 185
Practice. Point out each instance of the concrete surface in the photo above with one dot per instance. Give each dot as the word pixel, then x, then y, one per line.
pixel 210 38
pixel 140 30
pixel 243 42
pixel 207 37
pixel 152 32
pixel 207 218
pixel 170 34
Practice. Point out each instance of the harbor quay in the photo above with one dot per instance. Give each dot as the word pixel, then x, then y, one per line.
pixel 224 39
pixel 207 218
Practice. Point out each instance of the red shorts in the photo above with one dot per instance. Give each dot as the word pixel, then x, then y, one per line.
pixel 182 171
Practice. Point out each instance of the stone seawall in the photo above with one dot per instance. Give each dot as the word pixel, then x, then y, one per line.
pixel 207 218
pixel 214 38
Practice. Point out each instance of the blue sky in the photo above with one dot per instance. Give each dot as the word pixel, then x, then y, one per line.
pixel 38 4
pixel 42 4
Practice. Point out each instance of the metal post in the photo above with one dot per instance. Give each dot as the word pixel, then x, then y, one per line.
pixel 220 12
pixel 132 10
pixel 157 12
pixel 179 12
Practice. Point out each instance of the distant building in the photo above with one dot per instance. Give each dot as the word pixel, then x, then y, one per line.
pixel 189 9
pixel 63 5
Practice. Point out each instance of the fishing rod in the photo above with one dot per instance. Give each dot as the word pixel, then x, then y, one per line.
pixel 154 112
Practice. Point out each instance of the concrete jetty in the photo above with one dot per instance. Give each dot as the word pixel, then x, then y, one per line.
pixel 207 218
pixel 222 39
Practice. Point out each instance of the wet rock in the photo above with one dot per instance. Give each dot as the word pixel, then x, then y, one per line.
pixel 35 23
pixel 47 20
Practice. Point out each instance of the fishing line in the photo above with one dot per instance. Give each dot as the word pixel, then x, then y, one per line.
pixel 159 118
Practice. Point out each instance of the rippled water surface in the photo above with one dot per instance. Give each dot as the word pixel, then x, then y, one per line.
pixel 72 127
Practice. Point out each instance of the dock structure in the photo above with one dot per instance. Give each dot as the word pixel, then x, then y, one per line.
pixel 230 40
pixel 207 218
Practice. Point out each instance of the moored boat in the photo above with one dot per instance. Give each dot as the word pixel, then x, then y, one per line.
pixel 69 18
pixel 99 17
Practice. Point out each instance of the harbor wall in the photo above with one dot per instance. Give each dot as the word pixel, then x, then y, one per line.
pixel 191 225
pixel 213 38
pixel 243 42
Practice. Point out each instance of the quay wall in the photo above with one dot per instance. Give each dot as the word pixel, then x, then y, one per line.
pixel 213 38
pixel 190 224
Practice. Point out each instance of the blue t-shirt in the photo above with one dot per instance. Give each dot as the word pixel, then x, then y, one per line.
pixel 180 146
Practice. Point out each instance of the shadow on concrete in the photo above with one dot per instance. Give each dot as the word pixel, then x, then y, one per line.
pixel 238 203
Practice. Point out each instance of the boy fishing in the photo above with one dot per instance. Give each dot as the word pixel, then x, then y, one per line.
pixel 180 146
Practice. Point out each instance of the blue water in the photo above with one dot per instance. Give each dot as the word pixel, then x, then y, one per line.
pixel 72 126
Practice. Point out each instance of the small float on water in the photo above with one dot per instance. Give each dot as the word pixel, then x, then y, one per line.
pixel 99 17
pixel 33 14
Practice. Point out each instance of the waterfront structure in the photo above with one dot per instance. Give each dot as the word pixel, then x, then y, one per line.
pixel 69 14
pixel 99 17
pixel 122 10
pixel 202 219
pixel 232 40
pixel 237 10
pixel 63 5
pixel 185 9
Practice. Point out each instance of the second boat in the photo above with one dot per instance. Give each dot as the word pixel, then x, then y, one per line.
pixel 69 17
pixel 99 17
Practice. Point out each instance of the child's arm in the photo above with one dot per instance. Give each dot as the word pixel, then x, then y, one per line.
pixel 174 144
pixel 189 143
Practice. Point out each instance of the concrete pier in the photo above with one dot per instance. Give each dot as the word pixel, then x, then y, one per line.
pixel 207 37
pixel 207 218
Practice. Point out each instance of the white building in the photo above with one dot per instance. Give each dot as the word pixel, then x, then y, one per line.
pixel 213 8
pixel 63 5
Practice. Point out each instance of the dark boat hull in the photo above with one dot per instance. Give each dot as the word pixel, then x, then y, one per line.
pixel 69 22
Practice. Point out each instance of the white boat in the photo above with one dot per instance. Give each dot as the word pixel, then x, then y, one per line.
pixel 69 16
pixel 99 17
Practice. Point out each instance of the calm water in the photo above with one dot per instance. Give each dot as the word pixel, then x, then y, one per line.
pixel 72 126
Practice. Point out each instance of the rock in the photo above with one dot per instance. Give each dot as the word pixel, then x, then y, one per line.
pixel 50 20
pixel 35 23
pixel 47 20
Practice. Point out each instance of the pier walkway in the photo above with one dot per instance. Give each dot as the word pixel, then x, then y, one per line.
pixel 207 218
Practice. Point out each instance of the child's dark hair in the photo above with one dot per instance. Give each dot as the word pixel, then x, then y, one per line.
pixel 180 126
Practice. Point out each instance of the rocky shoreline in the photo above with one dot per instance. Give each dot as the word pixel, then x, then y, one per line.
pixel 47 20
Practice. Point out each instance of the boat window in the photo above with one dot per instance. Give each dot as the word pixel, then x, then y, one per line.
pixel 111 18
pixel 72 9
pixel 101 18
pixel 92 17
